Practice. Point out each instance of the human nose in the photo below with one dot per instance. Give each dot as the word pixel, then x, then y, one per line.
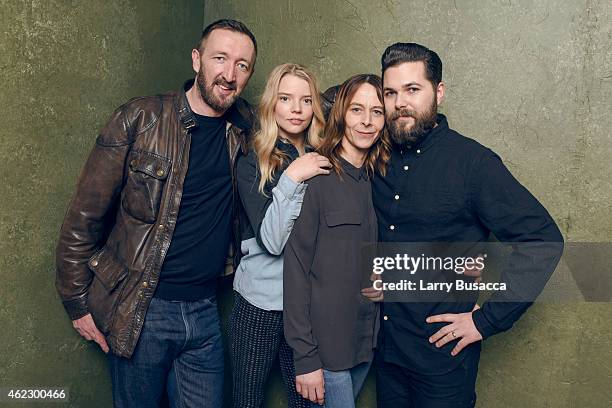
pixel 229 73
pixel 401 101
pixel 366 120
pixel 296 106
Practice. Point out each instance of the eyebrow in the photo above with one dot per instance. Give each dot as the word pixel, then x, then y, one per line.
pixel 361 106
pixel 408 85
pixel 290 94
pixel 225 54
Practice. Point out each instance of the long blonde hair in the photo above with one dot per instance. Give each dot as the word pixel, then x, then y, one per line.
pixel 269 157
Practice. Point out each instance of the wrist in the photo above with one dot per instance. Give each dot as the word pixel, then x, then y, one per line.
pixel 294 177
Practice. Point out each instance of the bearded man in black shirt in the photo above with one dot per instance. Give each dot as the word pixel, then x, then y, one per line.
pixel 443 187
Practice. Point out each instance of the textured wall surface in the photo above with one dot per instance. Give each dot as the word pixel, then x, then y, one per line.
pixel 65 66
pixel 532 81
pixel 529 79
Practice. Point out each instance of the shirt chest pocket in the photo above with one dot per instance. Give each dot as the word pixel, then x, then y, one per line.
pixel 344 224
pixel 145 183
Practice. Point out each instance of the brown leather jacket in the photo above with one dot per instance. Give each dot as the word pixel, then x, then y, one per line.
pixel 120 221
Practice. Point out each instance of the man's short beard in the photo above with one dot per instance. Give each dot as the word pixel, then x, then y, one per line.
pixel 216 103
pixel 423 123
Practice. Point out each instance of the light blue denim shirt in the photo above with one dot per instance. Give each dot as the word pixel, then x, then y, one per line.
pixel 259 277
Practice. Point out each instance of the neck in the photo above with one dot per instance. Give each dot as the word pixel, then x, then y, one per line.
pixel 197 104
pixel 354 156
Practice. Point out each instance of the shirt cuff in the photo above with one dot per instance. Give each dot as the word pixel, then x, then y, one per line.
pixel 76 308
pixel 484 327
pixel 307 364
pixel 290 188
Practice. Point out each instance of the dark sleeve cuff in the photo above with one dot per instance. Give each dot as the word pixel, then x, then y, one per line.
pixel 307 364
pixel 76 308
pixel 484 327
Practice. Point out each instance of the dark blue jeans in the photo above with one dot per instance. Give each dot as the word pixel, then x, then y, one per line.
pixel 342 387
pixel 398 386
pixel 180 352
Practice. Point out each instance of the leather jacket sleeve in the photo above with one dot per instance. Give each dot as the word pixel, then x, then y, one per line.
pixel 91 213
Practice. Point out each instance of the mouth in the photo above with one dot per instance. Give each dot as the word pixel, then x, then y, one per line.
pixel 366 134
pixel 296 121
pixel 404 118
pixel 226 90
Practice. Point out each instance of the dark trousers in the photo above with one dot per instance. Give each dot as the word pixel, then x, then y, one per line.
pixel 398 386
pixel 256 341
pixel 179 353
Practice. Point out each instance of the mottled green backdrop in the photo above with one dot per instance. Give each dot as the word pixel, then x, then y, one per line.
pixel 529 79
pixel 65 66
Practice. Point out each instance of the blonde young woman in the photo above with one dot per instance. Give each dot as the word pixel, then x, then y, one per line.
pixel 271 186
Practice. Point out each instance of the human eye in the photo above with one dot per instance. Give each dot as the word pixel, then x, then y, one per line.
pixel 243 67
pixel 219 58
pixel 389 94
pixel 413 90
pixel 355 109
pixel 283 98
pixel 308 101
pixel 378 112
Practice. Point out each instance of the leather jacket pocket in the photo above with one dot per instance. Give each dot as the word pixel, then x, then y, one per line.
pixel 144 187
pixel 106 288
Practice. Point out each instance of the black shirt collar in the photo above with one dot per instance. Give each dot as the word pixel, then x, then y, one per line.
pixel 356 173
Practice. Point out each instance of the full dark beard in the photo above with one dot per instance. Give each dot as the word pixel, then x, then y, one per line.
pixel 423 123
pixel 216 103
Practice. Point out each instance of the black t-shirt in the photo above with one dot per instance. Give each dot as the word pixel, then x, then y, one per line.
pixel 201 239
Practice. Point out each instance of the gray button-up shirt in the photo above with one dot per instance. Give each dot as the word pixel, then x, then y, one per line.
pixel 259 277
pixel 328 322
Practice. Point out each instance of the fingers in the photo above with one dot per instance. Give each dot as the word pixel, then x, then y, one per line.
pixel 442 332
pixel 320 394
pixel 101 340
pixel 447 317
pixel 87 328
pixel 324 162
pixel 463 330
pixel 460 346
pixel 311 386
pixel 373 297
pixel 476 307
pixel 312 393
pixel 303 390
pixel 373 294
pixel 448 338
pixel 84 334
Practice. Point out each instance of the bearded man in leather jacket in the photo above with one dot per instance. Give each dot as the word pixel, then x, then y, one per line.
pixel 149 227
